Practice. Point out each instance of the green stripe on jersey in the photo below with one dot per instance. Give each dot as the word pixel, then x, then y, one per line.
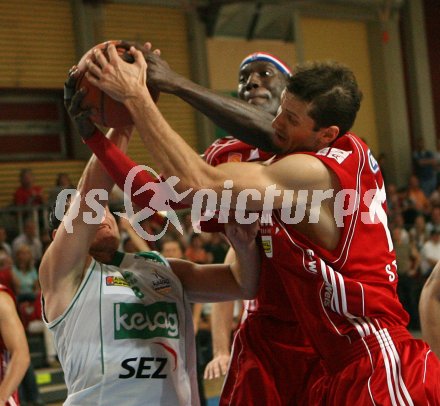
pixel 152 256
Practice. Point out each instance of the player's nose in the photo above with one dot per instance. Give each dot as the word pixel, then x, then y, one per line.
pixel 253 81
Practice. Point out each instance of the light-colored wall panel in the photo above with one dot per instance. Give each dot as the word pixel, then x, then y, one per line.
pixel 166 29
pixel 346 42
pixel 37 43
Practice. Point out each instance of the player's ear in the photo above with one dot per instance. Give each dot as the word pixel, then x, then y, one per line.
pixel 329 134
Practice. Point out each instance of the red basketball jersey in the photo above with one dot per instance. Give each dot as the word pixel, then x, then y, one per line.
pixel 272 301
pixel 229 149
pixel 343 295
pixel 272 361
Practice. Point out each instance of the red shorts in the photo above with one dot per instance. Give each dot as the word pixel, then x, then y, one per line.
pixel 271 364
pixel 399 373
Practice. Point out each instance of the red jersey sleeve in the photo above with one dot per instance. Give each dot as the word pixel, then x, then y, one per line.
pixel 229 149
pixel 118 165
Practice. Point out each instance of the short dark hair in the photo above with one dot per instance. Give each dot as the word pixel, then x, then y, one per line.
pixel 53 221
pixel 332 90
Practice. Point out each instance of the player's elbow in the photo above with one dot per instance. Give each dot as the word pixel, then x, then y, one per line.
pixel 26 359
pixel 21 358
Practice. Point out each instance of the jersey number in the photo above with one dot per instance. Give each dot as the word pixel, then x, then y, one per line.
pixel 376 212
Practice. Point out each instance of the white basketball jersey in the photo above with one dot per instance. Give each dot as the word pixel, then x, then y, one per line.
pixel 127 337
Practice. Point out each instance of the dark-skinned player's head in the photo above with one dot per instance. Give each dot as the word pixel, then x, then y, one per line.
pixel 261 80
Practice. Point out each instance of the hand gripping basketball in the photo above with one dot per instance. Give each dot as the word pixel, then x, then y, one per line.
pixel 105 110
pixel 72 103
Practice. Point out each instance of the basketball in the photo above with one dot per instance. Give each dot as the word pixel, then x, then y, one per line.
pixel 108 112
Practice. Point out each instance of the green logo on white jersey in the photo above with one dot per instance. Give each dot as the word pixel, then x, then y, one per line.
pixel 135 320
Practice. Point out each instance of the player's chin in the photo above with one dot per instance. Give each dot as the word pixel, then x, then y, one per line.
pixel 268 106
pixel 105 255
pixel 260 102
pixel 104 243
pixel 278 142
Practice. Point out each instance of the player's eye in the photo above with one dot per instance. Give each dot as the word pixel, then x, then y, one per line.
pixel 292 120
pixel 242 79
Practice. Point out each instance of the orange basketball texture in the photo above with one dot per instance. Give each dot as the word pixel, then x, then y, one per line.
pixel 108 112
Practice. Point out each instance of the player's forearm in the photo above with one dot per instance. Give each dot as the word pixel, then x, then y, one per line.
pixel 118 165
pixel 430 322
pixel 170 152
pixel 221 325
pixel 429 309
pixel 246 268
pixel 207 283
pixel 94 177
pixel 120 137
pixel 77 231
pixel 197 315
pixel 15 371
pixel 240 119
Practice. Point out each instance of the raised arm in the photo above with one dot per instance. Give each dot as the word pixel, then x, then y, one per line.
pixel 64 262
pixel 125 83
pixel 118 165
pixel 13 335
pixel 429 308
pixel 240 119
pixel 218 282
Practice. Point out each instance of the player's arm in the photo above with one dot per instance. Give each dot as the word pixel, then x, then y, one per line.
pixel 245 121
pixel 64 262
pixel 222 314
pixel 415 256
pixel 429 308
pixel 218 282
pixel 126 83
pixel 13 335
pixel 197 310
pixel 119 165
